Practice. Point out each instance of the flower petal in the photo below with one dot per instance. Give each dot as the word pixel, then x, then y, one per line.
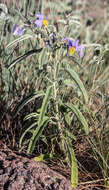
pixel 80 49
pixel 73 46
pixel 75 43
pixel 40 16
pixel 20 31
pixel 17 30
pixel 38 22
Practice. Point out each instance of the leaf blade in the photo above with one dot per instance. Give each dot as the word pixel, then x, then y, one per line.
pixel 22 38
pixel 26 100
pixel 41 122
pixel 73 163
pixel 79 116
pixel 78 81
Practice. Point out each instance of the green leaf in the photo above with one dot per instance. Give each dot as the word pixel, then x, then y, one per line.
pixel 25 101
pixel 31 115
pixel 22 38
pixel 43 58
pixel 43 157
pixel 43 120
pixel 36 134
pixel 4 12
pixel 73 163
pixel 79 115
pixel 39 158
pixel 78 81
pixel 22 57
pixel 67 118
pixel 71 136
pixel 24 133
pixel 44 105
pixel 62 22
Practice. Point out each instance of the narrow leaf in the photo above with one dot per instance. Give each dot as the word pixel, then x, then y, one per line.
pixel 43 120
pixel 25 101
pixel 22 38
pixel 20 58
pixel 73 163
pixel 44 105
pixel 31 115
pixel 78 81
pixel 43 58
pixel 36 134
pixel 79 115
pixel 24 133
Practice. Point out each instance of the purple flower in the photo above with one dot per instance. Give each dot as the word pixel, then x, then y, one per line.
pixel 17 30
pixel 40 16
pixel 80 49
pixel 71 43
pixel 40 20
pixel 73 46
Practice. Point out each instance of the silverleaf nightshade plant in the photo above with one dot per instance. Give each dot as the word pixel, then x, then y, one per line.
pixel 56 108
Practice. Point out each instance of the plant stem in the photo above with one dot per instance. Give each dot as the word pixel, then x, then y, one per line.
pixel 56 107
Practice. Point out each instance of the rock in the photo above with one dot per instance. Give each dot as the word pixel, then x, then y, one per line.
pixel 22 173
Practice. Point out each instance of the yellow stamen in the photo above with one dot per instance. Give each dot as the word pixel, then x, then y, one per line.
pixel 72 50
pixel 45 22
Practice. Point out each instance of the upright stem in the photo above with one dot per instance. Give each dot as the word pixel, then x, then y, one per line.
pixel 55 92
pixel 57 109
